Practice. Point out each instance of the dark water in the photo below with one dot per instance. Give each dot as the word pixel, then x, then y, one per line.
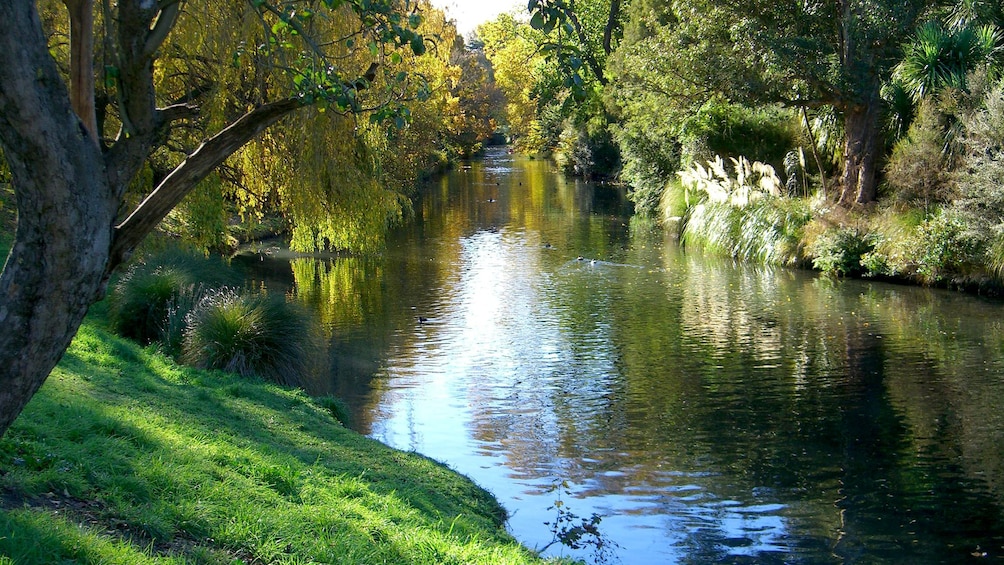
pixel 708 412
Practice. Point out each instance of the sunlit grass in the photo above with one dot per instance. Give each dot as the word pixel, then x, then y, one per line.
pixel 124 457
pixel 767 230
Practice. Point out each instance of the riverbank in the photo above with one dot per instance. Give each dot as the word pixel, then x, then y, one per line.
pixel 125 457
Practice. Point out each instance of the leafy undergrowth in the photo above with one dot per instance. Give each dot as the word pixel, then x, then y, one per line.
pixel 124 457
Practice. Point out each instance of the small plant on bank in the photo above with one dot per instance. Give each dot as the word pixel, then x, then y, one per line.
pixel 575 532
pixel 251 335
pixel 337 407
pixel 839 251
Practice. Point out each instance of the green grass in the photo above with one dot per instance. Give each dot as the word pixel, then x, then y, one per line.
pixel 125 457
pixel 765 231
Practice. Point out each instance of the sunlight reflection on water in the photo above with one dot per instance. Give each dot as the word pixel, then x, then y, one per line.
pixel 709 413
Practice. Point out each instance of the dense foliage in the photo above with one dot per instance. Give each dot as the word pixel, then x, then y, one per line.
pixel 879 118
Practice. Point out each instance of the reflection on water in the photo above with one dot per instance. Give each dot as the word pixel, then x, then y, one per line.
pixel 709 412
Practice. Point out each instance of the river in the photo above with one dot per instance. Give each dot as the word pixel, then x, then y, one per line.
pixel 525 331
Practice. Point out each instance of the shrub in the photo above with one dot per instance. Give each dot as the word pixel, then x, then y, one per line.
pixel 918 169
pixel 945 248
pixel 140 301
pixel 251 335
pixel 981 178
pixel 839 251
pixel 720 128
pixel 145 295
pixel 573 155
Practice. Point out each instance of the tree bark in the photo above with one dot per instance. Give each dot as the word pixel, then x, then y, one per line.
pixel 861 127
pixel 82 63
pixel 68 192
pixel 56 267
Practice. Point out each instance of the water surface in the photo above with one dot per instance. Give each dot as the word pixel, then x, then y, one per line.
pixel 524 331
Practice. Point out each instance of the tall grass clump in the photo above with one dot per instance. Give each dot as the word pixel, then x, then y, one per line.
pixel 740 212
pixel 139 303
pixel 143 297
pixel 255 335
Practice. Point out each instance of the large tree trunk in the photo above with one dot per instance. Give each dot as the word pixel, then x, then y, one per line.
pixel 56 267
pixel 861 146
pixel 68 192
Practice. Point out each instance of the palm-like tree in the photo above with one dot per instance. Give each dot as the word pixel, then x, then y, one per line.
pixel 940 57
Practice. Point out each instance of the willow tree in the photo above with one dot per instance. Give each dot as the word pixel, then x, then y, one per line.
pixel 803 54
pixel 71 168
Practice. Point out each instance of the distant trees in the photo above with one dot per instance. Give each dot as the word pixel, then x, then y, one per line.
pixel 832 53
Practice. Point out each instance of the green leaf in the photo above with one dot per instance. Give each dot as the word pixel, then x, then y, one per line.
pixel 418 45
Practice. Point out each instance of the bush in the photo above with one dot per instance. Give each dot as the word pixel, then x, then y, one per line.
pixel 140 301
pixel 946 249
pixel 918 169
pixel 251 335
pixel 839 251
pixel 145 295
pixel 980 179
pixel 731 130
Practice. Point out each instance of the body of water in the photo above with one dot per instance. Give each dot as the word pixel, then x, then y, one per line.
pixel 523 330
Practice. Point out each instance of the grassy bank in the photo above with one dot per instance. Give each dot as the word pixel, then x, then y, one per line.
pixel 124 457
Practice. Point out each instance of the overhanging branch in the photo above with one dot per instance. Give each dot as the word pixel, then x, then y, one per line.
pixel 169 193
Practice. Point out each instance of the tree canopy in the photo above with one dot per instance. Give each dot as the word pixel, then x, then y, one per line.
pixel 112 114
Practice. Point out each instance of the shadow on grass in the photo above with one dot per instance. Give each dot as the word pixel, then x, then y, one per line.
pixel 167 457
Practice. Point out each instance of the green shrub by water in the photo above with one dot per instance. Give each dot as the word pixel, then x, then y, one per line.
pixel 251 335
pixel 142 298
pixel 839 251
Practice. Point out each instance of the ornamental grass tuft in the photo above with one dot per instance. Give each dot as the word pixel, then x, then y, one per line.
pixel 252 335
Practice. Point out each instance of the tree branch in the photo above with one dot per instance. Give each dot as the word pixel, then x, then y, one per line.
pixel 587 53
pixel 165 22
pixel 190 172
pixel 608 31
